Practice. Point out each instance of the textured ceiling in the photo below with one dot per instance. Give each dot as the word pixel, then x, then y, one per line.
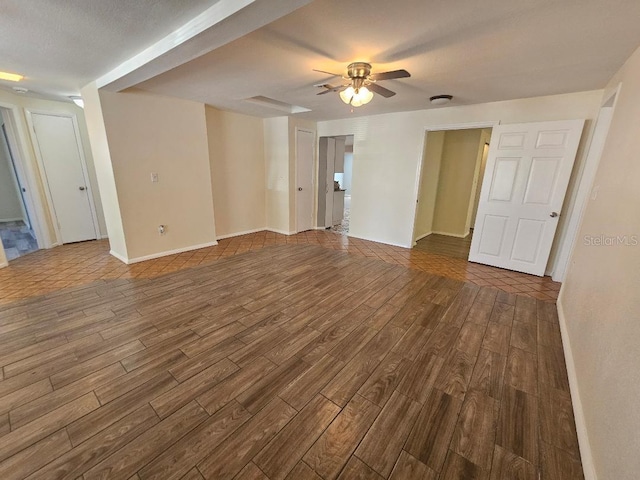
pixel 506 49
pixel 478 52
pixel 61 46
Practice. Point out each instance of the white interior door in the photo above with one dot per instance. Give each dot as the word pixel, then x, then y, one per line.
pixel 59 151
pixel 525 181
pixel 304 175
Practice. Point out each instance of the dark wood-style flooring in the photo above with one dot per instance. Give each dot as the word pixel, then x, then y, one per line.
pixel 290 362
pixel 445 245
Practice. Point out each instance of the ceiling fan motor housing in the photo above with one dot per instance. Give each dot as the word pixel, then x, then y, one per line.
pixel 358 72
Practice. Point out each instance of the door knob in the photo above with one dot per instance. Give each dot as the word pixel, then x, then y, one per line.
pixel 81 188
pixel 299 189
pixel 554 214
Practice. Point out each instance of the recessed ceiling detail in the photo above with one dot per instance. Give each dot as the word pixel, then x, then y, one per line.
pixel 277 105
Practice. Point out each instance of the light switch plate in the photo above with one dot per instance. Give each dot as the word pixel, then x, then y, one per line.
pixel 154 178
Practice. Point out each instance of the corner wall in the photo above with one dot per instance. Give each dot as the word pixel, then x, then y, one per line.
pixel 168 136
pixel 457 170
pixel 236 156
pixel 600 301
pixel 104 171
pixel 428 190
pixel 277 177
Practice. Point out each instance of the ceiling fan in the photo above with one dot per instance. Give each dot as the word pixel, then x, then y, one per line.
pixel 362 83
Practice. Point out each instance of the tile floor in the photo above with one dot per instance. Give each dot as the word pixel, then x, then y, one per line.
pixel 46 271
pixel 17 239
pixel 343 227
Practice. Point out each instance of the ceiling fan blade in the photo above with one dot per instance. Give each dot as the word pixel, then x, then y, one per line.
pixel 329 88
pixel 328 73
pixel 385 92
pixel 390 75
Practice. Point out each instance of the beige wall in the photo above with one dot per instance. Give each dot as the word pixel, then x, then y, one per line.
pixel 434 142
pixel 10 203
pixel 22 103
pixel 236 155
pixel 152 134
pixel 600 298
pixel 457 170
pixel 104 170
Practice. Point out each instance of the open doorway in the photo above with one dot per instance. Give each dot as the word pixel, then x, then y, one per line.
pixel 335 167
pixel 16 228
pixel 451 175
pixel 342 183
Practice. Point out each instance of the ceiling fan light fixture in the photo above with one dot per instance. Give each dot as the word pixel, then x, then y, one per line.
pixel 365 95
pixel 356 98
pixel 440 99
pixel 347 95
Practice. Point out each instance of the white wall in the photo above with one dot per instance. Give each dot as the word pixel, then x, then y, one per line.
pixel 600 303
pixel 152 134
pixel 104 171
pixel 10 202
pixel 236 154
pixel 428 190
pixel 276 152
pixel 388 149
pixel 347 175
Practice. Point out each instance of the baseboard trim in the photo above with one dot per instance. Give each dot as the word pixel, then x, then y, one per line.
pixel 152 256
pixel 4 264
pixel 422 236
pixel 281 232
pixel 122 258
pixel 578 412
pixel 12 219
pixel 457 235
pixel 379 241
pixel 102 237
pixel 244 232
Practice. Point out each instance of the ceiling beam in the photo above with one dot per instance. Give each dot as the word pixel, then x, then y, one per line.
pixel 220 24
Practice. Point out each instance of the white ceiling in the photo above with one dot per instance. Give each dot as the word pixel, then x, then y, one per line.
pixel 61 46
pixel 506 49
pixel 502 50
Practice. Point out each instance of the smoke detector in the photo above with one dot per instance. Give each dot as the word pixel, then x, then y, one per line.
pixel 440 99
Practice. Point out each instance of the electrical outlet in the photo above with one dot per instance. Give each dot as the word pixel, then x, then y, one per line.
pixel 154 178
pixel 162 229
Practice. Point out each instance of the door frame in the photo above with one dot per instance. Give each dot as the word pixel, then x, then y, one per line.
pixel 24 169
pixel 314 180
pixel 83 167
pixel 584 186
pixel 439 128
